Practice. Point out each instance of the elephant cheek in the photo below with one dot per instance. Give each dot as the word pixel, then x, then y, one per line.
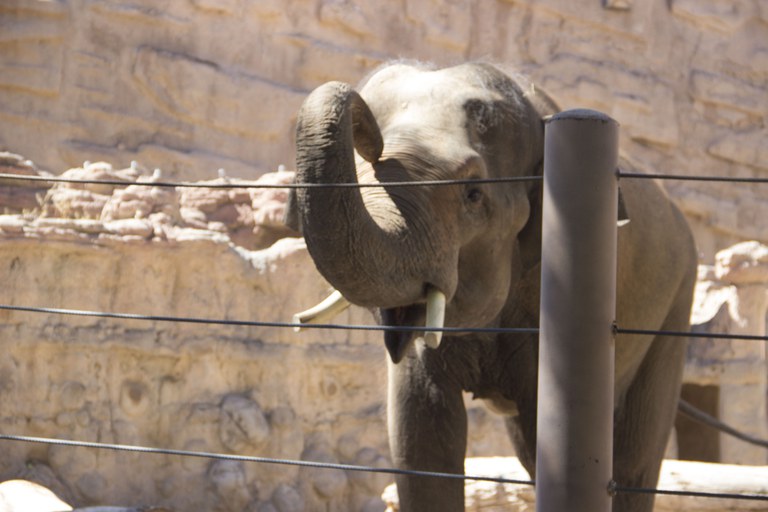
pixel 486 281
pixel 518 214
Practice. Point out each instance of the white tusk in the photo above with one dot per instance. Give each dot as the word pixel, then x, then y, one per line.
pixel 435 317
pixel 334 304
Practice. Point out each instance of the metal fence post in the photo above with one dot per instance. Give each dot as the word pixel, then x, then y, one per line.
pixel 578 295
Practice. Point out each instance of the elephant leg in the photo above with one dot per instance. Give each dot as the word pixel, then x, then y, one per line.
pixel 644 421
pixel 427 432
pixel 523 437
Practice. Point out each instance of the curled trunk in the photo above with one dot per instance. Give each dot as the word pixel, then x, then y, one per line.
pixel 368 264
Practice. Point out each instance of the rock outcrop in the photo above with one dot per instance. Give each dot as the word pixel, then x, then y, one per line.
pixel 255 390
pixel 261 390
pixel 192 86
pixel 732 297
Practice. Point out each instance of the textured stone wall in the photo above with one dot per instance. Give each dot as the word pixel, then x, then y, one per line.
pixel 732 297
pixel 195 85
pixel 192 86
pixel 261 391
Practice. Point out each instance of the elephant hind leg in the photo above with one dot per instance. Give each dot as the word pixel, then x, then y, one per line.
pixel 644 420
pixel 643 423
pixel 523 437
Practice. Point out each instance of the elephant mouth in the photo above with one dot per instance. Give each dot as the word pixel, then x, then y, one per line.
pixel 430 314
pixel 398 342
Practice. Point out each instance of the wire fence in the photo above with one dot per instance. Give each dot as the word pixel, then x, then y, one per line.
pixel 260 460
pixel 347 327
pixel 682 177
pixel 226 184
pixel 613 487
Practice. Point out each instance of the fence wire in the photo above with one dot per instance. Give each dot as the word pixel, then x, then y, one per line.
pixel 690 334
pixel 261 460
pixel 344 467
pixel 692 494
pixel 347 327
pixel 683 177
pixel 255 184
pixel 254 323
pixel 705 419
pixel 614 488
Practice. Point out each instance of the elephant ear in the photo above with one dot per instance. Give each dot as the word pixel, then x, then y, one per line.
pixel 541 102
pixel 623 218
pixel 546 107
pixel 530 236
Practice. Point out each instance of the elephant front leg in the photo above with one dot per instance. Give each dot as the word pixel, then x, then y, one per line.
pixel 427 432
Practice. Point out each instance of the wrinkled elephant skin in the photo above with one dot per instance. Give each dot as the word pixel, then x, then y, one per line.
pixel 477 247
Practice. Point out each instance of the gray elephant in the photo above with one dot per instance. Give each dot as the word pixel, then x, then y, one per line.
pixel 469 255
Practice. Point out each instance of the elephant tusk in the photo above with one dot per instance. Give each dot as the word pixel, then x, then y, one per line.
pixel 334 304
pixel 435 317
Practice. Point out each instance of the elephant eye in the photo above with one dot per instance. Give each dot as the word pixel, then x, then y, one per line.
pixel 474 195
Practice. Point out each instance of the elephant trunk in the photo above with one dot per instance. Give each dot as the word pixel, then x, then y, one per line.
pixel 368 261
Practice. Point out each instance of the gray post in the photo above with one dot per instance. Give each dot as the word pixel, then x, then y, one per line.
pixel 578 295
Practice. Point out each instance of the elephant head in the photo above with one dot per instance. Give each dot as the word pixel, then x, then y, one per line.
pixel 391 248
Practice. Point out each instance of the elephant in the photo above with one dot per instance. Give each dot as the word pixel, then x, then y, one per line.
pixel 468 255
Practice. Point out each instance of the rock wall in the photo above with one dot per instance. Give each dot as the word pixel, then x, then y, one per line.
pixel 245 390
pixel 732 297
pixel 204 253
pixel 192 86
pixel 248 390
